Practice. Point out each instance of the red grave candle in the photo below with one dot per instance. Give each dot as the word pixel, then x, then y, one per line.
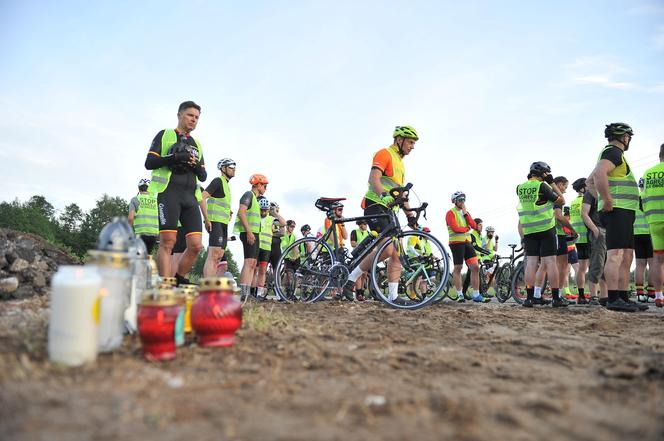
pixel 216 313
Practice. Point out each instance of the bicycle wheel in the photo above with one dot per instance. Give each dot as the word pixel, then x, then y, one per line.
pixel 518 284
pixel 422 278
pixel 503 279
pixel 311 270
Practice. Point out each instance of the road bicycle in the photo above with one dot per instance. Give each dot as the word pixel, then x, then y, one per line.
pixel 322 266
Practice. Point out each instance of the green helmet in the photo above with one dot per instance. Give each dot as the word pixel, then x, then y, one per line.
pixel 405 132
pixel 616 130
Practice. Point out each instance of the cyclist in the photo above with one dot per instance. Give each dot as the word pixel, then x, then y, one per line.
pixel 572 259
pixel 387 172
pixel 476 238
pixel 356 237
pixel 537 228
pixel 582 244
pixel 618 199
pixel 269 213
pixel 177 164
pixel 248 224
pixel 643 252
pixel 216 208
pixel 419 245
pixel 562 223
pixel 490 241
pixel 342 234
pixel 459 223
pixel 143 215
pixel 286 241
pixel 306 232
pixel 597 239
pixel 653 207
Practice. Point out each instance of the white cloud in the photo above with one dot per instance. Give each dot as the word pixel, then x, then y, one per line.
pixel 659 39
pixel 600 71
pixel 604 81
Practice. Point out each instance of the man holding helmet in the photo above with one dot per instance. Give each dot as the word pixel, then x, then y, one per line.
pixel 387 172
pixel 248 224
pixel 216 208
pixel 459 225
pixel 618 199
pixel 537 228
pixel 177 164
pixel 143 215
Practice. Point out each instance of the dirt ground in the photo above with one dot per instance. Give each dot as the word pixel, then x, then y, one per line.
pixel 352 372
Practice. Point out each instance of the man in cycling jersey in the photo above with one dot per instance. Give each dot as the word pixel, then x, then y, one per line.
pixel 269 213
pixel 177 164
pixel 582 243
pixel 387 172
pixel 143 215
pixel 216 208
pixel 358 235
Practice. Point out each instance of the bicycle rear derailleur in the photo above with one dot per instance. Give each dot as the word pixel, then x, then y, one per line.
pixel 338 275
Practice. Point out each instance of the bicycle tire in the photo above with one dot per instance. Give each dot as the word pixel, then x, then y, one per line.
pixel 419 284
pixel 312 276
pixel 518 285
pixel 503 280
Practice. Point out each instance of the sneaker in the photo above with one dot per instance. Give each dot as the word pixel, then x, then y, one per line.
pixel 479 298
pixel 603 301
pixel 401 302
pixel 659 303
pixel 461 299
pixel 582 300
pixel 643 298
pixel 528 303
pixel 571 296
pixel 594 301
pixel 359 296
pixel 622 306
pixel 638 305
pixel 348 292
pixel 559 303
pixel 541 301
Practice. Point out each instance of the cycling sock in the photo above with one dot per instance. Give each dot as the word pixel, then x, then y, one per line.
pixel 393 289
pixel 476 293
pixel 613 295
pixel 355 274
pixel 555 293
pixel 537 293
pixel 459 293
pixel 582 292
pixel 530 292
pixel 259 291
pixel 639 290
pixel 651 292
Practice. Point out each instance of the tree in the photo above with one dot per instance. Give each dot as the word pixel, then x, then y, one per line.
pixel 71 218
pixel 197 268
pixel 40 205
pixel 34 216
pixel 105 210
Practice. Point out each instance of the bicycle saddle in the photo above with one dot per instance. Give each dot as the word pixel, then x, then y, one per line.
pixel 324 204
pixel 512 245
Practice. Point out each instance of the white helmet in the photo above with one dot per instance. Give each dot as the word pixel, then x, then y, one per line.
pixel 274 205
pixel 264 204
pixel 490 229
pixel 226 162
pixel 458 194
pixel 143 182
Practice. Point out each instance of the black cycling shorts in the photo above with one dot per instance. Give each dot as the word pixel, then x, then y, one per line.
pixel 462 252
pixel 175 204
pixel 619 224
pixel 149 241
pixel 643 246
pixel 263 255
pixel 180 242
pixel 573 257
pixel 219 235
pixel 275 252
pixel 250 251
pixel 377 224
pixel 542 244
pixel 583 250
pixel 561 249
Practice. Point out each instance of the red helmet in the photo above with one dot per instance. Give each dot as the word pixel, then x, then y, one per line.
pixel 257 179
pixel 426 230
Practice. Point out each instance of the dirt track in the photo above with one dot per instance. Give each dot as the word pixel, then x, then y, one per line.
pixel 353 371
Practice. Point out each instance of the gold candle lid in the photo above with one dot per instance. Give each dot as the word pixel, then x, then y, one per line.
pixel 218 283
pixel 111 259
pixel 172 281
pixel 188 290
pixel 159 297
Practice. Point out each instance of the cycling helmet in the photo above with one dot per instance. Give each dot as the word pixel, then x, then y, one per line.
pixel 426 229
pixel 616 130
pixel 226 162
pixel 305 228
pixel 405 132
pixel 264 204
pixel 336 205
pixel 257 178
pixel 641 183
pixel 274 205
pixel 360 222
pixel 478 220
pixel 490 229
pixel 539 168
pixel 458 195
pixel 143 182
pixel 579 184
pixel 290 223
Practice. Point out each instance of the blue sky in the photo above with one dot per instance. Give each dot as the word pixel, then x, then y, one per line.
pixel 307 92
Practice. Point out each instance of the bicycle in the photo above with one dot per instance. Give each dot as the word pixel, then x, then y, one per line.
pixel 323 266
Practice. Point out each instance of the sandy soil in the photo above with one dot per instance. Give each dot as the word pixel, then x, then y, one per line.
pixel 352 371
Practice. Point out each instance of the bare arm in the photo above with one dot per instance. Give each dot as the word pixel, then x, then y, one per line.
pixel 374 180
pixel 562 220
pixel 203 205
pixel 585 214
pixel 601 180
pixel 130 217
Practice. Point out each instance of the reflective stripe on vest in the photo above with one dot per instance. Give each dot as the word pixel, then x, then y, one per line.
pixel 640 223
pixel 162 176
pixel 266 233
pixel 286 241
pixel 533 218
pixel 360 235
pixel 490 245
pixel 576 219
pixel 461 222
pixel 146 220
pixel 389 182
pixel 219 209
pixel 653 194
pixel 253 218
pixel 623 189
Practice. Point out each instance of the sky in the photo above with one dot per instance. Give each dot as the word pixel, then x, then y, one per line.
pixel 306 92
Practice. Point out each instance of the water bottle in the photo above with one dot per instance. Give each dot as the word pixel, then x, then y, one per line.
pixel 363 245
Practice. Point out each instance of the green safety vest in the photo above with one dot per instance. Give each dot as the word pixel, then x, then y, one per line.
pixel 478 239
pixel 146 220
pixel 533 218
pixel 162 176
pixel 219 209
pixel 286 241
pixel 360 235
pixel 253 218
pixel 266 233
pixel 389 182
pixel 623 189
pixel 489 245
pixel 576 219
pixel 640 223
pixel 461 221
pixel 421 246
pixel 653 194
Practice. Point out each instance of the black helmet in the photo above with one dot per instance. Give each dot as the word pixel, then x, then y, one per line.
pixel 565 210
pixel 478 220
pixel 616 130
pixel 304 228
pixel 579 184
pixel 539 168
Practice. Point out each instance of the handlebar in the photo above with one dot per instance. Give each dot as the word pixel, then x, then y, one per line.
pixel 400 195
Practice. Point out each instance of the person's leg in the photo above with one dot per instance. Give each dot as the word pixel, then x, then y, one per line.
pixel 169 213
pixel 166 243
pixel 190 218
pixel 249 264
pixel 640 277
pixel 194 246
pixel 581 280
